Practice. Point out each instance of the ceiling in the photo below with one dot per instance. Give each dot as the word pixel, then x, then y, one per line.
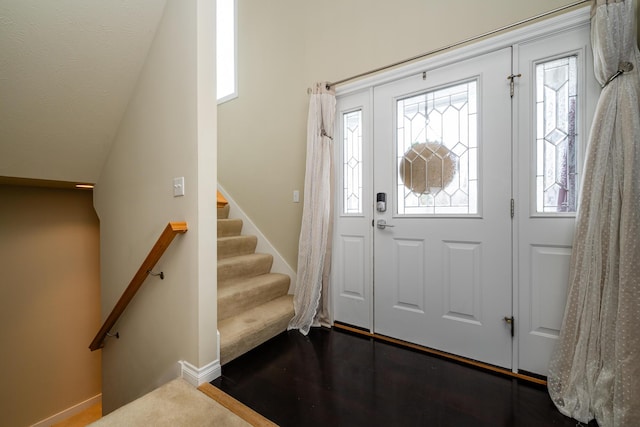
pixel 67 71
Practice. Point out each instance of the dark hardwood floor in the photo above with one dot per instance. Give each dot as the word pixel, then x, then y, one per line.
pixel 335 378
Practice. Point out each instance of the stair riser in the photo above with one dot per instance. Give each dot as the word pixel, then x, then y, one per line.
pixel 240 245
pixel 237 336
pixel 235 268
pixel 224 212
pixel 230 352
pixel 236 303
pixel 229 227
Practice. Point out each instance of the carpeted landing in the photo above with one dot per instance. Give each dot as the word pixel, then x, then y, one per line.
pixel 177 403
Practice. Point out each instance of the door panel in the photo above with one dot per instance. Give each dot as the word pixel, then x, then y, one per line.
pixel 549 270
pixel 461 268
pixel 443 265
pixel 408 292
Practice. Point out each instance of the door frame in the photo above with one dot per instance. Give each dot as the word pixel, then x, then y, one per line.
pixel 565 22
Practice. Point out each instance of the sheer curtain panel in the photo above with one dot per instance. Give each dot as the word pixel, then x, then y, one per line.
pixel 595 370
pixel 311 294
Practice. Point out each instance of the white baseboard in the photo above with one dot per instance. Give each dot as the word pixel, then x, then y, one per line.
pixel 264 246
pixel 197 376
pixel 69 412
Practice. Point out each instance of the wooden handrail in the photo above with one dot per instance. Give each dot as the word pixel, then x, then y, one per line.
pixel 150 261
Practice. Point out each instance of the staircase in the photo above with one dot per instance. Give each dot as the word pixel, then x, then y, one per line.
pixel 253 305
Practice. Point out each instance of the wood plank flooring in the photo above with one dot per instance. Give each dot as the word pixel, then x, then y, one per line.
pixel 335 378
pixel 82 419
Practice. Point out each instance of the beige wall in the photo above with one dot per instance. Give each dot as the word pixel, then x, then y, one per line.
pixel 167 131
pixel 49 302
pixel 261 133
pixel 287 45
pixel 367 34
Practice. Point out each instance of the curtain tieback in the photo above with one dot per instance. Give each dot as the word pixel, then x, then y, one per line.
pixel 624 67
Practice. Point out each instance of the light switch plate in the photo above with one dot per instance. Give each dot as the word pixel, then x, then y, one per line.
pixel 178 186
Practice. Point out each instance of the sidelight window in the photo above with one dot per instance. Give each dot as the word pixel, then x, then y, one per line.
pixel 352 162
pixel 556 138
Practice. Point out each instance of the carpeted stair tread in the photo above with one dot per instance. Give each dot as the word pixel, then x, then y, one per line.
pixel 249 293
pixel 236 245
pixel 253 305
pixel 245 331
pixel 229 227
pixel 243 266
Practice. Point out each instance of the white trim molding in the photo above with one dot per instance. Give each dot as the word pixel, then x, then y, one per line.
pixel 526 33
pixel 264 246
pixel 69 412
pixel 197 376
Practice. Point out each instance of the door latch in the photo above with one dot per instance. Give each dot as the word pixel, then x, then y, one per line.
pixel 382 224
pixel 512 322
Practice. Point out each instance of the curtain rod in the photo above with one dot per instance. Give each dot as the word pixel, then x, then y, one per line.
pixel 471 39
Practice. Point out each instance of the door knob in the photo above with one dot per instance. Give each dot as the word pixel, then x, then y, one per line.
pixel 382 224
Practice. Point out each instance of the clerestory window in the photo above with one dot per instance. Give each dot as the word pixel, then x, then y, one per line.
pixel 226 50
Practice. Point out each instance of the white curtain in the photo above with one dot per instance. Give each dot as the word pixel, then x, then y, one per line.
pixel 595 369
pixel 311 294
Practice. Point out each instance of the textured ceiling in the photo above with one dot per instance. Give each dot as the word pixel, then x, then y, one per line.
pixel 67 71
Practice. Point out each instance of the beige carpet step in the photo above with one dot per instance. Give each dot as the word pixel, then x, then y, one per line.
pixel 224 212
pixel 229 227
pixel 243 266
pixel 236 245
pixel 249 293
pixel 177 403
pixel 241 333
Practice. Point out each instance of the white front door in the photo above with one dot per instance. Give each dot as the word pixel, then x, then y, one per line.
pixel 480 195
pixel 442 157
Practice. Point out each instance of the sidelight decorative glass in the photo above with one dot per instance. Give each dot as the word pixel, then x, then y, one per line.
pixel 352 162
pixel 556 143
pixel 437 152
